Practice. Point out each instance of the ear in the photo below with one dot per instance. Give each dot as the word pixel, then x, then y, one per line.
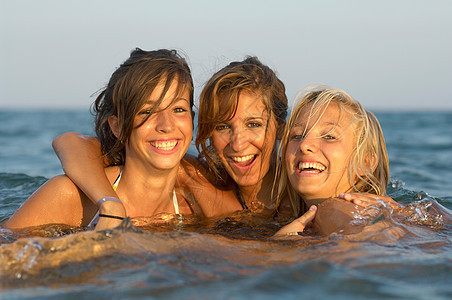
pixel 280 130
pixel 114 125
pixel 371 162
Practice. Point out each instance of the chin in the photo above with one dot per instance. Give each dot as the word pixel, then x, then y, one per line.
pixel 167 166
pixel 246 181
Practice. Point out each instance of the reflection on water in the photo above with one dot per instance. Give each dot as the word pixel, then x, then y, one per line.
pixel 407 250
pixel 404 254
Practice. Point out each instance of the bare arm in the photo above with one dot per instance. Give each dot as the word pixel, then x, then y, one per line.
pixel 82 161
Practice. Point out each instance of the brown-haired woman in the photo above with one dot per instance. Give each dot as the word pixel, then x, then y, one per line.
pixel 242 112
pixel 144 122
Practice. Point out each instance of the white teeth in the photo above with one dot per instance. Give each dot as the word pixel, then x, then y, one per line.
pixel 242 158
pixel 168 145
pixel 311 165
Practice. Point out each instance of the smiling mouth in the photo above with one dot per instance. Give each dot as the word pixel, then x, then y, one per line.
pixel 244 161
pixel 165 146
pixel 310 167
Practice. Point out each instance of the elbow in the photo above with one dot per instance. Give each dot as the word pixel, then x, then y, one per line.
pixel 63 139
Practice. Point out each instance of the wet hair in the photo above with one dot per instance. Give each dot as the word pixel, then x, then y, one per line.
pixel 129 89
pixel 368 164
pixel 219 101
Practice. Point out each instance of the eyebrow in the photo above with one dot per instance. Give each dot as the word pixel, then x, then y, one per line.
pixel 332 123
pixel 250 118
pixel 296 125
pixel 254 118
pixel 173 101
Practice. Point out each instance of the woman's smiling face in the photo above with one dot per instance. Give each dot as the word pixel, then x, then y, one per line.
pixel 244 144
pixel 319 151
pixel 164 137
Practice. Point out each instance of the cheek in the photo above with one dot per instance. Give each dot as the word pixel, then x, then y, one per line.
pixel 346 154
pixel 138 132
pixel 266 141
pixel 218 141
pixel 341 159
pixel 269 142
pixel 266 134
pixel 187 127
pixel 258 137
pixel 291 150
pixel 290 170
pixel 288 164
pixel 289 158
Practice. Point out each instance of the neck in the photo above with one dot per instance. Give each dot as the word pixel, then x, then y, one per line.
pixel 146 191
pixel 258 197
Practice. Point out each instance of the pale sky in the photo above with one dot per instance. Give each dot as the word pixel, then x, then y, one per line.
pixel 387 54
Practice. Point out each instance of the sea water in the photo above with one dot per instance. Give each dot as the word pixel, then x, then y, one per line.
pixel 232 258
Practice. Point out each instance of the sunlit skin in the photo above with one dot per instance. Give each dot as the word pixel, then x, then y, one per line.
pixel 155 148
pixel 317 156
pixel 153 154
pixel 164 138
pixel 245 143
pixel 317 161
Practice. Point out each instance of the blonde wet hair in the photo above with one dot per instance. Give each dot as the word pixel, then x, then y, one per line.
pixel 368 164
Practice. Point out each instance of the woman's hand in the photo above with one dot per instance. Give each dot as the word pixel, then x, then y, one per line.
pixel 299 224
pixel 365 199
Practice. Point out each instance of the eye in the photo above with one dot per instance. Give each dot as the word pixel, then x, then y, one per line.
pixel 179 109
pixel 296 135
pixel 254 125
pixel 145 112
pixel 328 137
pixel 222 127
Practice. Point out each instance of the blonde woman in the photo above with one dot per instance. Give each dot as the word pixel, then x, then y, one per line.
pixel 331 146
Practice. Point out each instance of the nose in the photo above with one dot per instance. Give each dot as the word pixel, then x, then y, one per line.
pixel 164 122
pixel 309 145
pixel 239 139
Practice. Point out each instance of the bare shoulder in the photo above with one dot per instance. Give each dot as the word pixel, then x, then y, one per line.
pixel 193 166
pixel 56 201
pixel 60 183
pixel 212 196
pixel 196 171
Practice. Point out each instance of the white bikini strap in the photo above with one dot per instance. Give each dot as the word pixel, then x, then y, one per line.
pixel 176 205
pixel 116 183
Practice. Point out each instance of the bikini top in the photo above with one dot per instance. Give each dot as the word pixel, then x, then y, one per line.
pixel 115 187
